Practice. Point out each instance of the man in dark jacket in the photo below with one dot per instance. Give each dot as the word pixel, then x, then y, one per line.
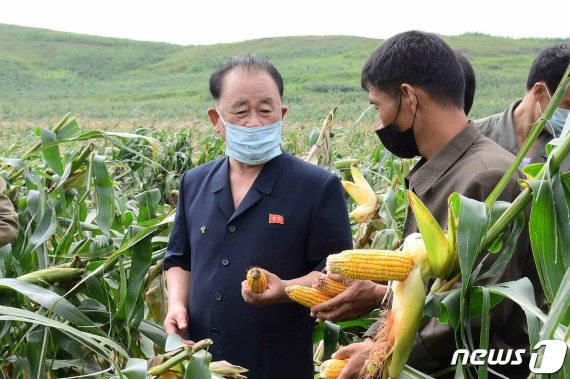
pixel 257 206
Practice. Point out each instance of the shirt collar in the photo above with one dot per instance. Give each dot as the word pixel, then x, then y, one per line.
pixel 264 182
pixel 504 133
pixel 426 173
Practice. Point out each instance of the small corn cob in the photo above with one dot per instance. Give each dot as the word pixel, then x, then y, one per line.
pixel 376 265
pixel 331 368
pixel 309 297
pixel 256 280
pixel 328 286
pixel 52 275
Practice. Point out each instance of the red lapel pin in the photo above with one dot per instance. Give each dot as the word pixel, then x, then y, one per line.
pixel 276 219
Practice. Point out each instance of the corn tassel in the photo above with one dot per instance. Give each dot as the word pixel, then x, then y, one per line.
pixel 328 286
pixel 309 297
pixel 379 265
pixel 256 280
pixel 331 368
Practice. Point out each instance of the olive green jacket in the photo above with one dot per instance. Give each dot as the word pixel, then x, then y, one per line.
pixel 471 165
pixel 8 217
pixel 500 128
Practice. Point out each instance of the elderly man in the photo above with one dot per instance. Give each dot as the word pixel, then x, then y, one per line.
pixel 257 206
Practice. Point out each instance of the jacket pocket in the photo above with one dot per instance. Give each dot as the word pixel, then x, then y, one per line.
pixel 280 250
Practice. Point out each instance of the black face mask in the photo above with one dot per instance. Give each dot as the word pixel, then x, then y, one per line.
pixel 402 144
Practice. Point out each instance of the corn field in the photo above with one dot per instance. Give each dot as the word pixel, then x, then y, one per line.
pixel 82 292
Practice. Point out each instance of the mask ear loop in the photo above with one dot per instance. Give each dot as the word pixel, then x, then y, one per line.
pixel 219 114
pixel 550 127
pixel 416 112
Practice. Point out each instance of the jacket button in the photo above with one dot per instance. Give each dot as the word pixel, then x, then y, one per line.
pixel 218 296
pixel 225 262
pixel 215 331
pixel 232 228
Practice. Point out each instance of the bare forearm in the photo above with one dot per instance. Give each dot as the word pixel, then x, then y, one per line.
pixel 178 283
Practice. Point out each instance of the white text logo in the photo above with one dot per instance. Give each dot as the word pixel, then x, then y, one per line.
pixel 552 357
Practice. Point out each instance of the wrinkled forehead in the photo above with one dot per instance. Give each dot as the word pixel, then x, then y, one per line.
pixel 246 82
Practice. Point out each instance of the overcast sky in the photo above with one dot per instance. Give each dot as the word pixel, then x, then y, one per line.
pixel 214 21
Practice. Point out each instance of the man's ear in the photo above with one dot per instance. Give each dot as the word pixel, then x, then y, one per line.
pixel 216 121
pixel 539 92
pixel 214 116
pixel 409 95
pixel 283 112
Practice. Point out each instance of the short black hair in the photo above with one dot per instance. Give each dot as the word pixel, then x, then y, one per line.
pixel 549 66
pixel 417 58
pixel 469 78
pixel 250 63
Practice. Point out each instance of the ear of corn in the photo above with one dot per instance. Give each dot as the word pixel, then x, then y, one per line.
pixel 437 247
pixel 309 297
pixel 414 245
pixel 363 195
pixel 52 275
pixel 408 308
pixel 379 265
pixel 256 280
pixel 330 369
pixel 328 286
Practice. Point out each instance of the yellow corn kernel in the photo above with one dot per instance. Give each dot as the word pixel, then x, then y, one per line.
pixel 379 265
pixel 328 286
pixel 331 368
pixel 256 280
pixel 309 297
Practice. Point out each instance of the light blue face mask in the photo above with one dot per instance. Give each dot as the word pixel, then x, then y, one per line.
pixel 558 120
pixel 253 145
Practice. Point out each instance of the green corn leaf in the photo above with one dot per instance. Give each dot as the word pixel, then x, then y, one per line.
pixel 331 338
pixel 91 341
pixel 52 301
pixel 199 366
pixel 104 194
pixel 51 154
pixel 544 237
pixel 560 310
pixel 68 130
pixel 484 333
pixel 36 351
pixel 135 369
pixel 509 247
pixel 140 264
pixel 148 202
pixel 44 230
pixel 471 225
pixel 154 332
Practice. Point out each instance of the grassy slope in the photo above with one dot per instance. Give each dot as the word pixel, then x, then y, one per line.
pixel 45 74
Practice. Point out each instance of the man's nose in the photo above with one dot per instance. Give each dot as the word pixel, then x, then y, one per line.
pixel 253 120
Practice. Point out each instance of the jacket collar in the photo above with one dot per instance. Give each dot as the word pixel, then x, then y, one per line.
pixel 426 173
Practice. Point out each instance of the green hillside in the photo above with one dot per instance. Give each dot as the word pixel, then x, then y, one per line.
pixel 45 74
